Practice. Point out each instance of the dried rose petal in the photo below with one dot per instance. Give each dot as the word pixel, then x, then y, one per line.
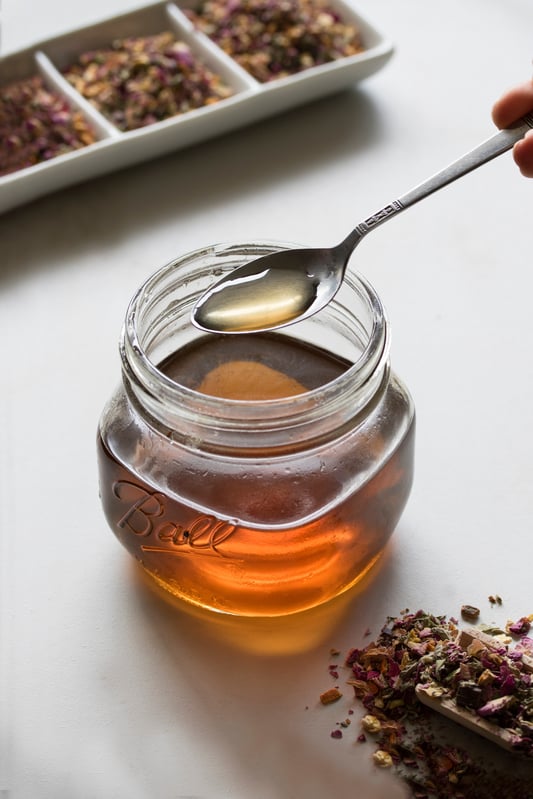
pixel 495 706
pixel 525 646
pixel 520 627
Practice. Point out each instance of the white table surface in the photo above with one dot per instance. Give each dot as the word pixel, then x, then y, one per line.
pixel 109 692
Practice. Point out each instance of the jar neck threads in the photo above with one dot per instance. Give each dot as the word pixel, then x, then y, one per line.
pixel 157 325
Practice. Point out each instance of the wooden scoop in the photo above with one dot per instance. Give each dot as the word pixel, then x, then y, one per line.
pixel 437 698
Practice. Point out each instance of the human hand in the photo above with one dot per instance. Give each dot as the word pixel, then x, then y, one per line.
pixel 511 106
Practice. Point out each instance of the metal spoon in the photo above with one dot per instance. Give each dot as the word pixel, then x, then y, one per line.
pixel 290 285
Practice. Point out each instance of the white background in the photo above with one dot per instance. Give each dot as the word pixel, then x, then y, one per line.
pixel 108 691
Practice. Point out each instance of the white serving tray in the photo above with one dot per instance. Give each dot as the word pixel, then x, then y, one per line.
pixel 114 149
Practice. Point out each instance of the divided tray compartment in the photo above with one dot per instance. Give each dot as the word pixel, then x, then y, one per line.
pixel 114 149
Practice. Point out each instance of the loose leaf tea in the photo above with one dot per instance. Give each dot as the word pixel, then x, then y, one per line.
pixel 143 80
pixel 483 676
pixel 491 681
pixel 37 124
pixel 480 674
pixel 272 39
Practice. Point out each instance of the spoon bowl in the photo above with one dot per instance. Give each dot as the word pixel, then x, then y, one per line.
pixel 284 286
pixel 287 286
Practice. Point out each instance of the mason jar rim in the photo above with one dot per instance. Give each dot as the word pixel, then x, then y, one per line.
pixel 164 396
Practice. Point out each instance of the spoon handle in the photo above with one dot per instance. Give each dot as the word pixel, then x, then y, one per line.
pixel 487 150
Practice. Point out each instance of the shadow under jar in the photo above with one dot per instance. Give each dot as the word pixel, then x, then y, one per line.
pixel 258 474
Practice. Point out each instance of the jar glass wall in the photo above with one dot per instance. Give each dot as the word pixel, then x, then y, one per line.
pixel 258 474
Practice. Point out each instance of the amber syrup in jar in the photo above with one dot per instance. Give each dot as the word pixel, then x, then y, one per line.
pixel 262 487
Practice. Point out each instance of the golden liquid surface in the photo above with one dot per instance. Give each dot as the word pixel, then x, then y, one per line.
pixel 247 380
pixel 255 367
pixel 257 302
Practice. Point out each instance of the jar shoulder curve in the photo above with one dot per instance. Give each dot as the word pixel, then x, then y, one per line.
pixel 399 404
pixel 309 480
pixel 387 418
pixel 124 430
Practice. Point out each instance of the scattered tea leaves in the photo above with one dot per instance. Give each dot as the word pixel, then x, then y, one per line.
pixel 478 672
pixel 470 612
pixel 330 696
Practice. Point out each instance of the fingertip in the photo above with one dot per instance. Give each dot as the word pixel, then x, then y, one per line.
pixel 513 104
pixel 498 112
pixel 523 155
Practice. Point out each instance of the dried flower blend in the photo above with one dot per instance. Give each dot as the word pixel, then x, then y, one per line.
pixel 143 80
pixel 481 675
pixel 37 124
pixel 275 38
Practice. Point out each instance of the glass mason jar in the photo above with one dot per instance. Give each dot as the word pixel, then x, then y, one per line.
pixel 258 474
